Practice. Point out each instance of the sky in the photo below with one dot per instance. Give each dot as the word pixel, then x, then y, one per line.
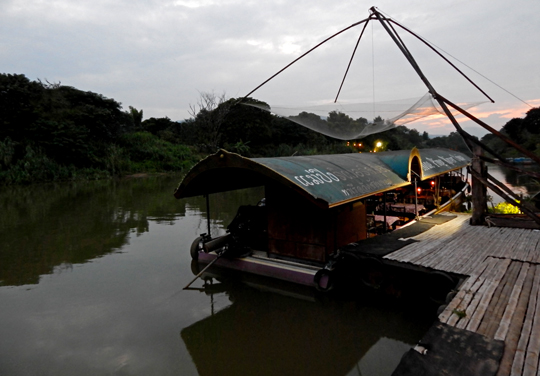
pixel 160 55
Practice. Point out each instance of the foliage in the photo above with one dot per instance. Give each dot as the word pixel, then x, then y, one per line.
pixel 50 132
pixel 145 152
pixel 210 113
pixel 505 208
pixel 525 132
pixel 273 136
pixel 460 313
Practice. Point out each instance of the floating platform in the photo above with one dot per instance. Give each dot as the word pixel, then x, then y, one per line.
pixel 498 300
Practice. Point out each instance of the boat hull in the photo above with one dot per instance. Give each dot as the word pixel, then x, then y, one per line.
pixel 285 271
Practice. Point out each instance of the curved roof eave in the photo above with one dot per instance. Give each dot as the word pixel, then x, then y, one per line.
pixel 440 161
pixel 224 171
pixel 325 180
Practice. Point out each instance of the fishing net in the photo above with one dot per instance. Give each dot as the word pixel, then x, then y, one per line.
pixel 349 121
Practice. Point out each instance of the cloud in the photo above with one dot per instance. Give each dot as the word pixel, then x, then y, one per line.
pixel 158 55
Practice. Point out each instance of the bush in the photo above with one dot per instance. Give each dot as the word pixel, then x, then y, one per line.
pixel 506 208
pixel 147 152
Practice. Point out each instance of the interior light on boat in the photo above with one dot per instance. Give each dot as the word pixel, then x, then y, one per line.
pixel 433 182
pixel 379 144
pixel 419 190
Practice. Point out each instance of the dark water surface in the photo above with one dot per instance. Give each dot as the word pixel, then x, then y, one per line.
pixel 519 183
pixel 91 278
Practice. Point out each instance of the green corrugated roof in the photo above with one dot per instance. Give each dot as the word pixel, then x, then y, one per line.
pixel 327 180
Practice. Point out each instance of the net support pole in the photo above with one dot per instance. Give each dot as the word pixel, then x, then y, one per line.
pixel 479 194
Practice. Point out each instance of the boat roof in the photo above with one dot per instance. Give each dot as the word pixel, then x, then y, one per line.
pixel 326 180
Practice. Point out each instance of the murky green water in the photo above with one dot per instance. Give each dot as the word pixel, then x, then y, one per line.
pixel 91 278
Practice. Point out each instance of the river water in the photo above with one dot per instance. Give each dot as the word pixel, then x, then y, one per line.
pixel 91 283
pixel 520 183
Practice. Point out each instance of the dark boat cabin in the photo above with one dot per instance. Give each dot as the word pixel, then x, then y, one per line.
pixel 316 204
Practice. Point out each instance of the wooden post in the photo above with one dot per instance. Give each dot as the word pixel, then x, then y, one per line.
pixel 437 192
pixel 384 203
pixel 479 191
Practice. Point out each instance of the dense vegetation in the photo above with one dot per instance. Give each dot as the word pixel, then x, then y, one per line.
pixel 51 132
pixel 525 132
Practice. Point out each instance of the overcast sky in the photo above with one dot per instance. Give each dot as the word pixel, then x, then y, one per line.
pixel 158 55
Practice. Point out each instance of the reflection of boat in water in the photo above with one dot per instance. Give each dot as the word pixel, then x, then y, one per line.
pixel 263 333
pixel 316 205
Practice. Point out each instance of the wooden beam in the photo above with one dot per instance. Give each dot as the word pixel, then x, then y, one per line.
pixel 479 194
pixel 493 131
pixel 498 191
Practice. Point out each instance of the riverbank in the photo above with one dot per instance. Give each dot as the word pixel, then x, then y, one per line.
pixel 136 153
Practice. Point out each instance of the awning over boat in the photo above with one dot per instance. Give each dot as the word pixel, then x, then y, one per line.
pixel 433 162
pixel 326 180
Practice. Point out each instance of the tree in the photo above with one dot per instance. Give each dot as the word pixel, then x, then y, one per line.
pixel 514 130
pixel 532 121
pixel 245 124
pixel 157 125
pixel 136 116
pixel 19 100
pixel 209 113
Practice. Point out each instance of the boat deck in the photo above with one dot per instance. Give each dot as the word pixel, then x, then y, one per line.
pixel 500 298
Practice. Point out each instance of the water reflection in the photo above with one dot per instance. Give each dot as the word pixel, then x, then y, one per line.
pixel 269 333
pixel 92 277
pixel 44 227
pixel 520 183
pixel 48 226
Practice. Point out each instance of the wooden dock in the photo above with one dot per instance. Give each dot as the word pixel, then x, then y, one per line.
pixel 500 298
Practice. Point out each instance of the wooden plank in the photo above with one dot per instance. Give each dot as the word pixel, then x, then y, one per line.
pixel 464 289
pixel 451 254
pixel 517 249
pixel 434 237
pixel 460 301
pixel 537 250
pixel 418 259
pixel 401 253
pixel 467 298
pixel 532 240
pixel 452 251
pixel 474 254
pixel 512 337
pixel 521 245
pixel 531 355
pixel 500 247
pixel 436 242
pixel 501 295
pixel 469 303
pixel 482 299
pixel 477 252
pixel 408 252
pixel 510 308
pixel 519 358
pixel 443 229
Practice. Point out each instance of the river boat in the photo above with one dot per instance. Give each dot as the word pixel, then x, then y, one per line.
pixel 315 206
